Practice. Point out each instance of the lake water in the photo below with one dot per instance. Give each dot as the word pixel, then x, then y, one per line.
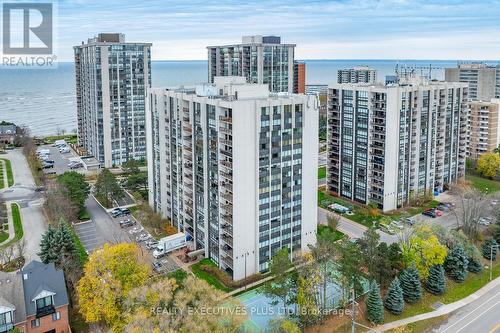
pixel 45 101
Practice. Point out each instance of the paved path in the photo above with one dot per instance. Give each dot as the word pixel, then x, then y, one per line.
pixel 29 202
pixel 478 313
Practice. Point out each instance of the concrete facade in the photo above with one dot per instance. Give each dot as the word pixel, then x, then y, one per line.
pixel 260 59
pixel 112 77
pixel 387 143
pixel 234 167
pixel 484 127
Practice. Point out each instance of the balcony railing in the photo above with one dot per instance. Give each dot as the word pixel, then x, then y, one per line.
pixel 45 311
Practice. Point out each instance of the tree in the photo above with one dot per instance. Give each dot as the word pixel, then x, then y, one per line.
pixel 488 165
pixel 424 250
pixel 307 298
pixel 107 188
pixel 374 305
pixel 394 302
pixel 282 325
pixel 410 283
pixel 136 179
pixel 75 187
pixel 332 221
pixel 48 252
pixel 497 150
pixel 350 267
pixel 490 249
pixel 164 306
pixel 58 205
pixel 322 255
pixel 475 265
pixel 470 207
pixel 456 264
pixel 436 282
pixel 109 275
pixel 279 288
pixel 386 269
pixel 368 245
pixel 395 257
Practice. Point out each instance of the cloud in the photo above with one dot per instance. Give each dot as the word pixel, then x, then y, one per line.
pixel 373 29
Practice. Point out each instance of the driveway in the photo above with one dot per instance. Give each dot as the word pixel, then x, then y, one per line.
pixel 30 202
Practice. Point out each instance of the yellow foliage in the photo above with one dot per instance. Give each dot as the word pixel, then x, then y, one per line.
pixel 109 274
pixel 488 165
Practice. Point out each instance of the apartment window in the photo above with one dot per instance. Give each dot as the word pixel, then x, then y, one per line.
pixel 43 302
pixel 5 318
pixel 35 323
pixel 56 316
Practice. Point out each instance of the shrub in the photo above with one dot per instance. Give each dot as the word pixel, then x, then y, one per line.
pixel 436 283
pixel 410 283
pixel 490 249
pixel 374 305
pixel 394 302
pixel 226 279
pixel 456 263
pixel 475 265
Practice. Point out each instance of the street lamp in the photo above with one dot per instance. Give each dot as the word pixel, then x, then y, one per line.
pixel 491 259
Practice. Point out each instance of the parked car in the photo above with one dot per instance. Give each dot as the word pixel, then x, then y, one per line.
pixel 64 150
pixel 408 220
pixel 127 223
pixel 158 266
pixel 485 221
pixel 438 212
pixel 117 212
pixel 136 230
pixel 151 244
pixel 50 172
pixel 143 237
pixel 125 211
pixel 442 206
pixel 75 165
pixel 430 213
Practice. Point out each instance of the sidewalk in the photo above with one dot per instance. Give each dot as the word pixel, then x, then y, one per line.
pixel 443 310
pixel 10 223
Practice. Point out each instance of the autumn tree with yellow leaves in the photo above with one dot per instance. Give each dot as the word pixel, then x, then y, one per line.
pixel 109 275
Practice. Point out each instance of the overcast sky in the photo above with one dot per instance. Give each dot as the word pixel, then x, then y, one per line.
pixel 342 29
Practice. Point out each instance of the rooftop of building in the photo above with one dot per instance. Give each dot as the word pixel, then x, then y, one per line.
pixel 401 81
pixel 256 40
pixel 358 68
pixel 41 279
pixel 231 88
pixel 476 65
pixel 10 297
pixel 108 38
pixel 6 128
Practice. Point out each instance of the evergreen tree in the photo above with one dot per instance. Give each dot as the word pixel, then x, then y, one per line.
pixel 475 265
pixel 394 301
pixel 436 283
pixel 490 249
pixel 47 252
pixel 410 283
pixel 374 305
pixel 456 263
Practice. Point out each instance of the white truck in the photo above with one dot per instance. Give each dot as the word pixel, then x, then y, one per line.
pixel 169 244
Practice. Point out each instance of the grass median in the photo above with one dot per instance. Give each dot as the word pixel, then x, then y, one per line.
pixel 18 225
pixel 8 168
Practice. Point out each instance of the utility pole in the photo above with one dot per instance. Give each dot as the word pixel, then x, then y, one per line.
pixel 353 323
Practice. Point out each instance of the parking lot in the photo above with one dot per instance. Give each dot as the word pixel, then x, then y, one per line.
pixel 106 229
pixel 89 235
pixel 61 161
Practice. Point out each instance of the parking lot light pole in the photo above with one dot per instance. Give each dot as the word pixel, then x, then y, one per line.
pixel 491 260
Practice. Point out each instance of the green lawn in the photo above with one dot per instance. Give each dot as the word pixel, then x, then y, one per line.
pixel 179 275
pixel 83 215
pixel 3 236
pixel 18 225
pixel 454 292
pixel 10 175
pixel 336 236
pixel 2 185
pixel 483 184
pixel 322 172
pixel 69 138
pixel 212 280
pixel 359 216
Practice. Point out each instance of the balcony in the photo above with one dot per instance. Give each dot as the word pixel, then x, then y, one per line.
pixel 45 311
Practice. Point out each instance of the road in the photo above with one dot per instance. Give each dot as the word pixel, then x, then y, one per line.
pixel 352 229
pixel 30 202
pixel 480 316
